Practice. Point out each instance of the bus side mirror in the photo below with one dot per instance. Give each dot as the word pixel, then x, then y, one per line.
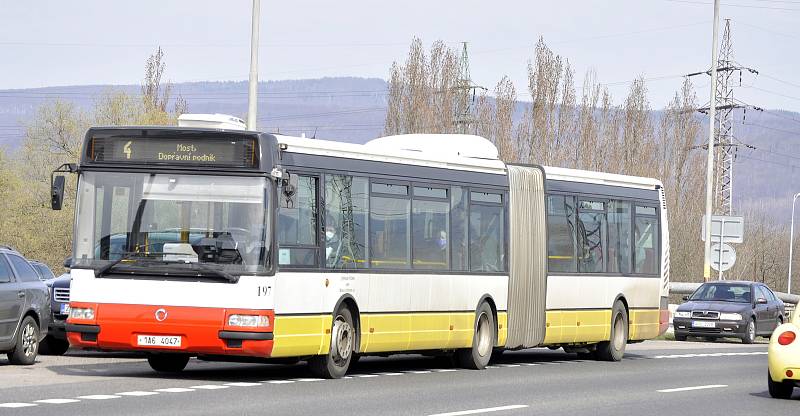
pixel 68 262
pixel 58 183
pixel 57 192
pixel 685 298
pixel 288 195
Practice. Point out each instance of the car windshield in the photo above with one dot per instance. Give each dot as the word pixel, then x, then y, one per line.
pixel 723 293
pixel 172 223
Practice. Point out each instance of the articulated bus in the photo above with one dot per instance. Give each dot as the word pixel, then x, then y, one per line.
pixel 221 243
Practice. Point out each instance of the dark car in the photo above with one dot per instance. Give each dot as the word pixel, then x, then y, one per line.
pixel 24 308
pixel 729 309
pixel 55 343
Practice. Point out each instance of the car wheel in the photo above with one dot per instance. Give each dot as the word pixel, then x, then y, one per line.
pixel 27 343
pixel 53 346
pixel 168 363
pixel 483 340
pixel 337 361
pixel 779 389
pixel 749 336
pixel 614 349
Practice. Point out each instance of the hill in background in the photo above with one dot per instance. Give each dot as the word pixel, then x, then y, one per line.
pixel 353 110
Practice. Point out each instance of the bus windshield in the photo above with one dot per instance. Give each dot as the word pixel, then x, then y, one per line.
pixel 176 224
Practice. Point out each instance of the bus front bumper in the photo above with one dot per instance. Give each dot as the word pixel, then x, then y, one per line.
pixel 189 330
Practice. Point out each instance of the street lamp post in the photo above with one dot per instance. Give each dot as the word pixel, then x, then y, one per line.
pixel 791 243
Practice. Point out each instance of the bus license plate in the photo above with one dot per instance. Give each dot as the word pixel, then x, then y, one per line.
pixel 703 324
pixel 159 341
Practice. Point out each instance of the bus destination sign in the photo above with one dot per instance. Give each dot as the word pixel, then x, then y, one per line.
pixel 231 152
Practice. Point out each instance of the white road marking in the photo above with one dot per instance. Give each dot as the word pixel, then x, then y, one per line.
pixel 366 375
pixel 390 374
pixel 242 384
pixel 530 364
pixel 175 390
pixel 485 410
pixel 57 401
pixel 418 372
pixel 280 381
pixel 715 354
pixel 137 393
pixel 308 379
pixel 710 386
pixel 210 387
pixel 99 397
pixel 509 365
pixel 445 370
pixel 16 405
pixel 492 366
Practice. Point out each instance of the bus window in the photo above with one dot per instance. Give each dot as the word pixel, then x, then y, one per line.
pixel 486 238
pixel 458 229
pixel 297 226
pixel 430 234
pixel 619 237
pixel 346 222
pixel 646 248
pixel 389 223
pixel 561 234
pixel 591 237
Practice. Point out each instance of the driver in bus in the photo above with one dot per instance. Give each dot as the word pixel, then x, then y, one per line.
pixel 332 241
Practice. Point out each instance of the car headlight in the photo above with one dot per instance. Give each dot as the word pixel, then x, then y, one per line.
pixel 730 317
pixel 682 314
pixel 251 321
pixel 82 313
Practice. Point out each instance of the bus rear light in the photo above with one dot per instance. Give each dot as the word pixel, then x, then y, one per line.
pixel 248 321
pixel 786 338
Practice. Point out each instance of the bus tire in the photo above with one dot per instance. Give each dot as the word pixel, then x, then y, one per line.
pixel 614 349
pixel 168 363
pixel 483 340
pixel 337 361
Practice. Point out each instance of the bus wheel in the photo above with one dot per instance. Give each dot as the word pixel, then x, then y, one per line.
pixel 168 363
pixel 336 362
pixel 483 341
pixel 614 349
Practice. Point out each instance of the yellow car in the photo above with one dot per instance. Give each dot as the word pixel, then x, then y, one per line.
pixel 784 358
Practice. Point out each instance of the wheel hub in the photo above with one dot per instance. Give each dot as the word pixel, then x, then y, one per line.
pixel 29 340
pixel 342 339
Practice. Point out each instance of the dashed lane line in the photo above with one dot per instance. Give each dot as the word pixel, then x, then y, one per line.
pixel 280 381
pixel 242 384
pixel 680 389
pixel 308 379
pixel 57 401
pixel 17 405
pixel 137 393
pixel 99 397
pixel 175 390
pixel 484 410
pixel 210 387
pixel 712 354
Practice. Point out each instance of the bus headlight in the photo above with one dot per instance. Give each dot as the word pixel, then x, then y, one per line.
pixel 249 321
pixel 730 317
pixel 682 314
pixel 86 314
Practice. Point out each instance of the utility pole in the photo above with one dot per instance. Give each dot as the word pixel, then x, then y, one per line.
pixel 710 158
pixel 252 96
pixel 464 119
pixel 725 143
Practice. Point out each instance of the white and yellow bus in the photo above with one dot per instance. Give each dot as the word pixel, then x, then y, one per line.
pixel 210 242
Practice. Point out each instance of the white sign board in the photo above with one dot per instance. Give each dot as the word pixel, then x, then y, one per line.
pixel 722 262
pixel 726 228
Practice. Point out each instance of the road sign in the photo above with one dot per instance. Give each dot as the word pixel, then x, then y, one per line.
pixel 727 228
pixel 727 258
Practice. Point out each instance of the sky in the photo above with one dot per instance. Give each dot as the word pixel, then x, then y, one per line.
pixel 56 43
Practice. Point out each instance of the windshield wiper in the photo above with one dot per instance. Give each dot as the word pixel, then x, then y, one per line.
pixel 128 255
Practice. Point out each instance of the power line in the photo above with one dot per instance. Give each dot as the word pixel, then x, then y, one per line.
pixel 767 30
pixel 735 5
pixel 774 93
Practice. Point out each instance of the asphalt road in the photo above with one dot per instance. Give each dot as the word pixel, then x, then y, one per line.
pixel 656 377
